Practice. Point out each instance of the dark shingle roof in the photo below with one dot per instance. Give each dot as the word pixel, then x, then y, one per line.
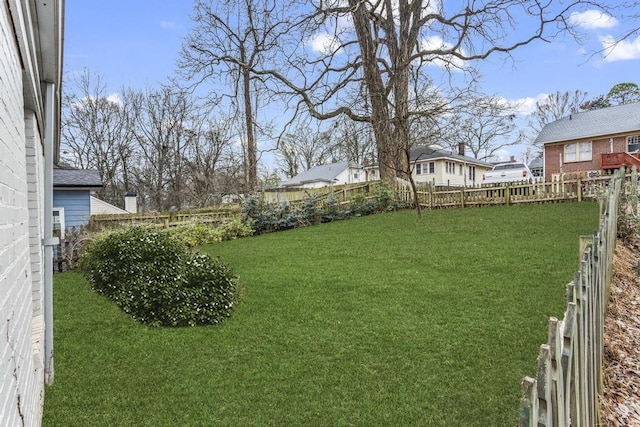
pixel 76 178
pixel 590 124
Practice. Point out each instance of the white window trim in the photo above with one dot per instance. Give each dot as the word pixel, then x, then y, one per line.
pixel 577 152
pixel 632 140
pixel 61 219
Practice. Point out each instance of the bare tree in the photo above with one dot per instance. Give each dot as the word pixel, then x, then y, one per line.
pixel 96 133
pixel 371 48
pixel 556 106
pixel 228 41
pixel 485 126
pixel 162 134
pixel 303 149
pixel 207 156
pixel 354 142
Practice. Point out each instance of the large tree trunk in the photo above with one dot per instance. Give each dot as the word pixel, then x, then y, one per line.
pixel 252 157
pixel 379 105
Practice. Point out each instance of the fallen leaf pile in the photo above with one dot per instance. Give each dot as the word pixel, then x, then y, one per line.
pixel 620 403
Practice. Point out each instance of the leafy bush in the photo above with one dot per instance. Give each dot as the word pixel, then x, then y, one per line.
pixel 361 206
pixel 154 278
pixel 192 235
pixel 268 217
pixel 257 212
pixel 332 211
pixel 385 197
pixel 233 229
pixel 310 213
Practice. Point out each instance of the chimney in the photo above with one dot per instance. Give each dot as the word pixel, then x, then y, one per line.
pixel 512 159
pixel 131 202
pixel 461 148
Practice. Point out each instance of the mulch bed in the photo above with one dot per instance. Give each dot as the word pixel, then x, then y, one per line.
pixel 620 404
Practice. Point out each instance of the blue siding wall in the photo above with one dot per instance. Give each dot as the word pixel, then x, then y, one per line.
pixel 76 206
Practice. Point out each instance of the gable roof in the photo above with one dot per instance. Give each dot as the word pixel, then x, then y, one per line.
pixel 590 124
pixel 322 173
pixel 536 163
pixel 85 178
pixel 431 153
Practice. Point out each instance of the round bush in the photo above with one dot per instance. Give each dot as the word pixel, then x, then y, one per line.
pixel 155 279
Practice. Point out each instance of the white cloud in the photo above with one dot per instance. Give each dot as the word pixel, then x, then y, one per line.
pixel 501 155
pixel 436 43
pixel 620 51
pixel 525 106
pixel 114 98
pixel 324 43
pixel 169 25
pixel 85 102
pixel 592 20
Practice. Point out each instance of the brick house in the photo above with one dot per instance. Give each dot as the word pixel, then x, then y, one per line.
pixel 30 84
pixel 592 141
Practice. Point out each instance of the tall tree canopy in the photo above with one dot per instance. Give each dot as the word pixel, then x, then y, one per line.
pixel 366 59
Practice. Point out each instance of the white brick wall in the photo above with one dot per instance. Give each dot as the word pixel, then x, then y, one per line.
pixel 21 191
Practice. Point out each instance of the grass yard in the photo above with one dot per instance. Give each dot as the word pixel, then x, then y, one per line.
pixel 382 320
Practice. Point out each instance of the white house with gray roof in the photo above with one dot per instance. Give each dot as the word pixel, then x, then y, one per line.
pixel 442 168
pixel 598 140
pixel 326 175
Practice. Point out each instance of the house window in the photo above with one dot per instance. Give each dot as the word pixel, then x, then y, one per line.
pixel 633 143
pixel 472 173
pixel 460 170
pixel 58 222
pixel 355 176
pixel 577 152
pixel 425 168
pixel 450 167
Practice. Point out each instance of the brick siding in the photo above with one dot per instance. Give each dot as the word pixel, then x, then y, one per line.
pixel 21 171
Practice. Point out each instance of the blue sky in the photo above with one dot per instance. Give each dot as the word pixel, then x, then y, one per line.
pixel 136 43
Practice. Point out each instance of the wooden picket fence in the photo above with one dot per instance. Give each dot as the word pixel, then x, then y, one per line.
pixel 214 216
pixel 341 193
pixel 569 375
pixel 429 197
pixel 509 194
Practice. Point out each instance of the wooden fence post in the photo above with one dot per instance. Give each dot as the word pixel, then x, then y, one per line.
pixel 579 189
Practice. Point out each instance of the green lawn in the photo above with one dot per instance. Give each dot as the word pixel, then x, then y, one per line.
pixel 382 320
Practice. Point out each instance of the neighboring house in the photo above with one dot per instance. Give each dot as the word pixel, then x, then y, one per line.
pixel 537 167
pixel 30 84
pixel 445 167
pixel 74 202
pixel 442 168
pixel 598 140
pixel 100 207
pixel 72 193
pixel 326 175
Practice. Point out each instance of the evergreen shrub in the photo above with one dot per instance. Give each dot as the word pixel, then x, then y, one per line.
pixel 154 278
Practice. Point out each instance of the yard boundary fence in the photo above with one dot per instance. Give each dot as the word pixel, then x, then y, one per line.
pixel 429 197
pixel 569 374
